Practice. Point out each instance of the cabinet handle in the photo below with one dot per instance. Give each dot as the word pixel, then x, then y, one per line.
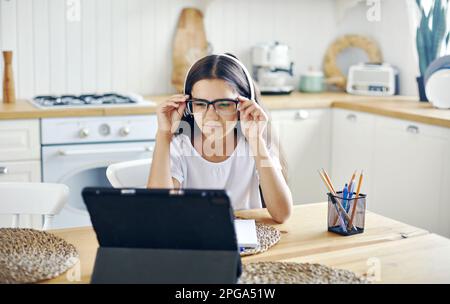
pixel 3 170
pixel 351 117
pixel 412 129
pixel 301 115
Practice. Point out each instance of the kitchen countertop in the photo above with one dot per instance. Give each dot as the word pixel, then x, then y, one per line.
pixel 403 253
pixel 402 107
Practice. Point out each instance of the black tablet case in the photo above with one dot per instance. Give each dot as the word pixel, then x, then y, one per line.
pixel 163 236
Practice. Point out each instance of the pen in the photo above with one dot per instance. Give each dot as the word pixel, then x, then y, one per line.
pixel 350 195
pixel 344 197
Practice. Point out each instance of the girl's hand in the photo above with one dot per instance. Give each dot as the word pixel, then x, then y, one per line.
pixel 253 118
pixel 170 112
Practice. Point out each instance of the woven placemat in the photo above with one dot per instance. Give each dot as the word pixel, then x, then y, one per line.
pixel 28 255
pixel 267 237
pixel 296 273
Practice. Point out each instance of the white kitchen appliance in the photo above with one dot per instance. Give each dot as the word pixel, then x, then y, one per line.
pixel 89 100
pixel 76 152
pixel 272 68
pixel 373 79
pixel 437 82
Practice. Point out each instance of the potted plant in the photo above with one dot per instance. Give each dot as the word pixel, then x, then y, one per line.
pixel 431 36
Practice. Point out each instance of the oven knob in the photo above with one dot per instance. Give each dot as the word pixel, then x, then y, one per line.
pixel 104 129
pixel 84 133
pixel 124 131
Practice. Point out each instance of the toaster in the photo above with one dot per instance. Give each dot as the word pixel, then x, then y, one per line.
pixel 373 79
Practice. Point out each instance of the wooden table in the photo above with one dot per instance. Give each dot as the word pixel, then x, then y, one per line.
pixel 388 251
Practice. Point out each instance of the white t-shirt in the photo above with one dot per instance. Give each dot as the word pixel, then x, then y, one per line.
pixel 237 174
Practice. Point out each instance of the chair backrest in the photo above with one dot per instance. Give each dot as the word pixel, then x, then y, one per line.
pixel 45 199
pixel 129 174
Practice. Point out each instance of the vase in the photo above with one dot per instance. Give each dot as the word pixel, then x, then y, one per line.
pixel 421 88
pixel 8 79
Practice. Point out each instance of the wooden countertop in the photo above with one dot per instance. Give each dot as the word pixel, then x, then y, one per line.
pixel 402 253
pixel 402 107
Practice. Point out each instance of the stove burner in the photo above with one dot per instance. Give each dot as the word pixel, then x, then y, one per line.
pixel 83 100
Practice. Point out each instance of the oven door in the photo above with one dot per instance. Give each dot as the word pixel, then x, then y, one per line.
pixel 80 166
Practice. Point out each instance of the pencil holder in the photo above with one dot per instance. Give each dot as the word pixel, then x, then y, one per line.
pixel 346 216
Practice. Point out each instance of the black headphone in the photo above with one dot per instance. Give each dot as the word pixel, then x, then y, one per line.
pixel 247 74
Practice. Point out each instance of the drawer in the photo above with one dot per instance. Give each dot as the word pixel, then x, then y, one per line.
pixel 299 114
pixel 411 127
pixel 24 171
pixel 348 116
pixel 19 140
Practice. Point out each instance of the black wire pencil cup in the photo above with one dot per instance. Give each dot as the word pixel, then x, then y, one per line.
pixel 347 208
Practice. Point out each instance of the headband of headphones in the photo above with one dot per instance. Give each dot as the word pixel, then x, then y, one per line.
pixel 247 74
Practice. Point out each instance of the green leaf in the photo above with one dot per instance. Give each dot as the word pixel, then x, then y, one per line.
pixel 439 31
pixel 421 52
pixel 446 41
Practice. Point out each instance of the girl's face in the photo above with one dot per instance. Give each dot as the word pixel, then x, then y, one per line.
pixel 211 123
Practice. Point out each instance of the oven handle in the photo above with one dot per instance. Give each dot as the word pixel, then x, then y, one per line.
pixel 103 151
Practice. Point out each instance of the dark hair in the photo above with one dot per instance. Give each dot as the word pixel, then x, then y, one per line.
pixel 222 67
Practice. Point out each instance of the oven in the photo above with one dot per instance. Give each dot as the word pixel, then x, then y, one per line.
pixel 76 152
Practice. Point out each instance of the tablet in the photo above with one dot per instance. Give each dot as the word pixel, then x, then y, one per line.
pixel 162 218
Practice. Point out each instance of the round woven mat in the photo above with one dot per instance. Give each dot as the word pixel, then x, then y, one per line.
pixel 296 273
pixel 28 255
pixel 267 237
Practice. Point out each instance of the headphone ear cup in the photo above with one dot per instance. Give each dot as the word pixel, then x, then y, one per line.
pixel 187 111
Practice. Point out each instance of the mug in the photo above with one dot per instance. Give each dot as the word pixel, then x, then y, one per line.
pixel 312 82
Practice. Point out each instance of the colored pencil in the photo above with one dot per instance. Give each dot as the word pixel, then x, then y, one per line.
pixel 329 180
pixel 356 199
pixel 352 180
pixel 347 217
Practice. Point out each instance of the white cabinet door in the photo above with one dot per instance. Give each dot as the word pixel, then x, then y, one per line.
pixel 19 140
pixel 352 148
pixel 305 139
pixel 25 171
pixel 408 171
pixel 444 209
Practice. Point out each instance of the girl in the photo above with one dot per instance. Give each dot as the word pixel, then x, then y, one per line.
pixel 218 136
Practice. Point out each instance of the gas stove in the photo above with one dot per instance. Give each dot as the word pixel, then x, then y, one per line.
pixel 88 100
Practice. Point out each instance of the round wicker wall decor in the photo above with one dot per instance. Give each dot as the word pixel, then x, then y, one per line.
pixel 330 67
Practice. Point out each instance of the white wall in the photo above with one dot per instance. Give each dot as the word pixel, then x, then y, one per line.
pixel 125 45
pixel 393 32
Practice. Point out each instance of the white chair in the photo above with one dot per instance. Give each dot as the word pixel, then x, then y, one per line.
pixel 129 174
pixel 43 199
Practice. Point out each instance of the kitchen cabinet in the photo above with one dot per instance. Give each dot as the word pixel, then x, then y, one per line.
pixel 304 135
pixel 20 160
pixel 352 148
pixel 23 171
pixel 20 171
pixel 408 173
pixel 444 209
pixel 19 139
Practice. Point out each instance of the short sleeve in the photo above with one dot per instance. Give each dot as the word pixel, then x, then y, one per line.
pixel 176 160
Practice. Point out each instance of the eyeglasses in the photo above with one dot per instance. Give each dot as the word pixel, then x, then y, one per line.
pixel 223 106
